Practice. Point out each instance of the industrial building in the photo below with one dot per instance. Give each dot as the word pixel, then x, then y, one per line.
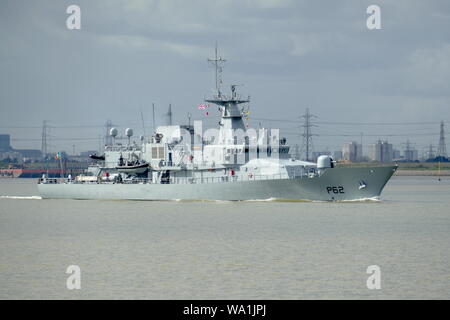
pixel 5 143
pixel 337 155
pixel 411 155
pixel 381 151
pixel 352 152
pixel 8 152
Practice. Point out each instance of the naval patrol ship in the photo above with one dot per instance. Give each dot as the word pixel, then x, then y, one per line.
pixel 231 162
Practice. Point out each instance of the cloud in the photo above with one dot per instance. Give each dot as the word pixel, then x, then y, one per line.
pixel 130 53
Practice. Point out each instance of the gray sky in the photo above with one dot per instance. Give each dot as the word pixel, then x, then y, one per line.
pixel 288 54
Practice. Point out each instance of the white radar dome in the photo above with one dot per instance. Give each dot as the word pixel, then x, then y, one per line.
pixel 129 132
pixel 113 132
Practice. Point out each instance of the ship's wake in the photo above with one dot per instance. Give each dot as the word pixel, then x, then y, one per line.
pixel 22 197
pixel 372 199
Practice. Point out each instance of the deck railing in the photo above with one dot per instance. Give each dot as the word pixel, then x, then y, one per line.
pixel 180 180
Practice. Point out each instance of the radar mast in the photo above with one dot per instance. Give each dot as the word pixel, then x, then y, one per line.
pixel 217 62
pixel 231 115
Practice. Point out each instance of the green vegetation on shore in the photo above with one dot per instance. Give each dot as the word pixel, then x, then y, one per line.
pixel 403 165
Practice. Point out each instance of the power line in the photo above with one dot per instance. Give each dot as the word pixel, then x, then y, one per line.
pixel 352 123
pixel 67 126
pixel 358 134
pixel 442 149
pixel 307 133
pixel 44 139
pixel 253 119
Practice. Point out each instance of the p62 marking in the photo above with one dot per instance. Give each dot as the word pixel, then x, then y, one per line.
pixel 335 189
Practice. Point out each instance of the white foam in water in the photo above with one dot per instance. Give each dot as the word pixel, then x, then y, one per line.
pixel 21 198
pixel 373 199
pixel 262 200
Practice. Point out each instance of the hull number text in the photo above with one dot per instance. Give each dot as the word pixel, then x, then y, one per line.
pixel 335 190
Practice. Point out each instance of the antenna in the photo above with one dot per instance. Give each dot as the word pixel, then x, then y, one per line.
pixel 153 117
pixel 307 133
pixel 143 125
pixel 217 62
pixel 169 114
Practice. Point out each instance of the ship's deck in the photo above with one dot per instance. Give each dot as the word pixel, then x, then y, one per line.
pixel 181 180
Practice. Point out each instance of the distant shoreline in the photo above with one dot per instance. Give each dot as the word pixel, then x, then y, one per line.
pixel 433 173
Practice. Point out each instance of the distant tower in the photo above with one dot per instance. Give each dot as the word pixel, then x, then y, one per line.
pixel 297 152
pixel 430 151
pixel 407 152
pixel 442 149
pixel 44 139
pixel 307 135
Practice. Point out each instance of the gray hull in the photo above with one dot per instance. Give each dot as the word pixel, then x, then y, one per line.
pixel 335 184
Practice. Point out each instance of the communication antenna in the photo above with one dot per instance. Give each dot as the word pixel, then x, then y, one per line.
pixel 143 125
pixel 217 62
pixel 307 133
pixel 153 117
pixel 169 114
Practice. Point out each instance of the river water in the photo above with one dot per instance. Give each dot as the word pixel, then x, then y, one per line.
pixel 227 250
